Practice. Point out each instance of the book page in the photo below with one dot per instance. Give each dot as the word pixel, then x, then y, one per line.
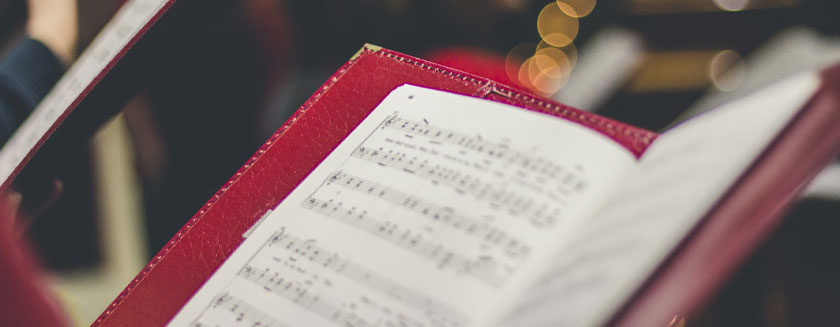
pixel 680 177
pixel 432 212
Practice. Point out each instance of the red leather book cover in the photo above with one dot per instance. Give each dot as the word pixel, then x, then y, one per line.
pixel 204 243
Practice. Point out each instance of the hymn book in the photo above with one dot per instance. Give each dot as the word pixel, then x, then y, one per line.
pixel 445 210
pixel 404 192
pixel 407 193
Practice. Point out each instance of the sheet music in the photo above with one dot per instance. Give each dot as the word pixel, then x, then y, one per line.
pixel 680 177
pixel 435 211
pixel 106 47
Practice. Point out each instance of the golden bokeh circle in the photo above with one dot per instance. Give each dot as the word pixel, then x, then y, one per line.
pixel 553 62
pixel 555 27
pixel 516 57
pixel 570 50
pixel 525 72
pixel 576 8
pixel 732 5
pixel 542 74
pixel 547 84
pixel 727 70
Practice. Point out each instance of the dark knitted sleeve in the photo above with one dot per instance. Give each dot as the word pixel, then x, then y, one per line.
pixel 27 73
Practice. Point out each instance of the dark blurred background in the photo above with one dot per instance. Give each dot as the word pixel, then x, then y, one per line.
pixel 223 75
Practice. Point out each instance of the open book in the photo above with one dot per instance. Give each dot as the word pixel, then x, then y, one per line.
pixel 446 210
pixel 408 193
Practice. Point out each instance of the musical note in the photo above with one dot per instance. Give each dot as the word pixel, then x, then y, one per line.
pixel 511 245
pixel 542 215
pixel 290 246
pixel 408 223
pixel 484 270
pixel 242 312
pixel 338 307
pixel 299 294
pixel 497 151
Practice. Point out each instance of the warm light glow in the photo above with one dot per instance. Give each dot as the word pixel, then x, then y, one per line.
pixel 553 62
pixel 512 5
pixel 516 57
pixel 570 51
pixel 555 27
pixel 548 85
pixel 525 72
pixel 673 71
pixel 726 70
pixel 731 5
pixel 542 74
pixel 576 8
pixel 690 70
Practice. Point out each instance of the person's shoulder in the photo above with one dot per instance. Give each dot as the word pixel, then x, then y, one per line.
pixel 28 71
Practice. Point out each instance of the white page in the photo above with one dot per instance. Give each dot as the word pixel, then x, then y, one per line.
pixel 680 177
pixel 405 225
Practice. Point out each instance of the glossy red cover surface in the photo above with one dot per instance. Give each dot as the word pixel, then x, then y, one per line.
pixel 195 252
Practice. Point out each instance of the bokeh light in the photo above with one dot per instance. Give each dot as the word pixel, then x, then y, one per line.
pixel 727 70
pixel 545 72
pixel 545 67
pixel 525 72
pixel 570 50
pixel 555 27
pixel 576 8
pixel 538 80
pixel 732 5
pixel 515 59
pixel 553 62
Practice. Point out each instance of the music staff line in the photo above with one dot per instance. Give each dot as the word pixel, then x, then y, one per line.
pixel 540 216
pixel 497 151
pixel 482 268
pixel 510 245
pixel 241 310
pixel 306 249
pixel 293 291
